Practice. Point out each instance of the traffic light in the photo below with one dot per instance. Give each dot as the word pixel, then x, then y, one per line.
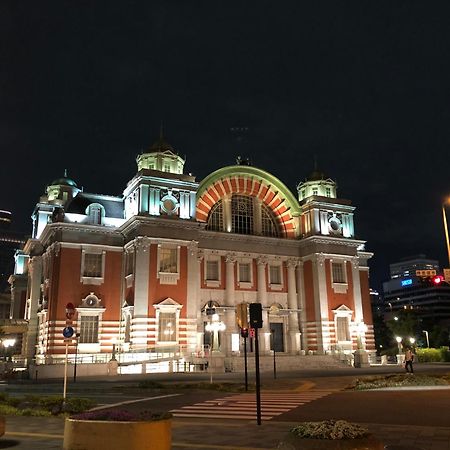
pixel 244 332
pixel 255 310
pixel 438 279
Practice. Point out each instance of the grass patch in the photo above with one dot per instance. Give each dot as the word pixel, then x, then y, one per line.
pixel 203 385
pixel 397 380
pixel 40 406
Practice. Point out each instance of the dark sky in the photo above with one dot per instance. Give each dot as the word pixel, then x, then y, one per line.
pixel 362 85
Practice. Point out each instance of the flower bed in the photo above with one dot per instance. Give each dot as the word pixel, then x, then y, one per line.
pixel 118 429
pixel 330 434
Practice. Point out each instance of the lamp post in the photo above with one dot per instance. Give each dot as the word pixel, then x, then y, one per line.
pixel 77 335
pixel 214 327
pixel 426 336
pixel 444 218
pixel 399 344
pixel 272 334
pixel 412 340
pixel 114 342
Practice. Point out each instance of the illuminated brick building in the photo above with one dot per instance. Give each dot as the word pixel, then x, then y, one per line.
pixel 140 269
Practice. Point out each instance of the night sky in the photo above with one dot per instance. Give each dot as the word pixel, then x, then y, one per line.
pixel 363 86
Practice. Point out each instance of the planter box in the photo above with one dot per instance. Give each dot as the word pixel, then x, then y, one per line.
pixel 112 435
pixel 293 442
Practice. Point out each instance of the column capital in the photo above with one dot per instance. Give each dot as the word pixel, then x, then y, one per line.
pixel 230 258
pixel 200 255
pixel 355 262
pixel 320 258
pixel 291 263
pixel 142 243
pixel 261 261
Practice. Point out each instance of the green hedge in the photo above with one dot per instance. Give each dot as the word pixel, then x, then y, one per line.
pixel 433 354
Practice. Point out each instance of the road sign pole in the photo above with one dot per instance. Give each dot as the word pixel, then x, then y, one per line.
pixel 258 384
pixel 245 363
pixel 65 373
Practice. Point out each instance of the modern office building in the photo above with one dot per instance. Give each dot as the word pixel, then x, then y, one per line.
pixel 417 284
pixel 138 274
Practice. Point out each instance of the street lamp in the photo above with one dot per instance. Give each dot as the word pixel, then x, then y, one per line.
pixel 399 343
pixel 114 342
pixel 412 340
pixel 444 218
pixel 272 335
pixel 426 335
pixel 77 336
pixel 214 327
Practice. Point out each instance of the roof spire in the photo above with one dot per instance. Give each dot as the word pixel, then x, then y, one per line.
pixel 65 173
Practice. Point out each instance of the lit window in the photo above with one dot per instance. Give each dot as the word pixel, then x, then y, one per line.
pixel 342 331
pixel 167 327
pixel 168 260
pixel 338 273
pixel 212 270
pixel 93 265
pixel 88 329
pixel 244 273
pixel 275 274
pixel 95 212
pixel 268 224
pixel 215 221
pixel 242 214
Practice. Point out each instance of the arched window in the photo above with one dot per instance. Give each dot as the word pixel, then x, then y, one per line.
pixel 245 216
pixel 95 211
pixel 242 214
pixel 268 223
pixel 215 221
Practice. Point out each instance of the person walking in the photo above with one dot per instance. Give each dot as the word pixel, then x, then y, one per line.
pixel 409 358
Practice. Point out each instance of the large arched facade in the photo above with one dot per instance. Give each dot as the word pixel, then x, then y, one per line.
pixel 270 199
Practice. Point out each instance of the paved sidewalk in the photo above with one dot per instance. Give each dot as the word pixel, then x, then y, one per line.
pixel 25 433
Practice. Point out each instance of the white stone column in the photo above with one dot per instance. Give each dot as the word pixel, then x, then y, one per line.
pixel 294 333
pixel 264 343
pixel 193 298
pixel 229 314
pixel 357 290
pixel 35 270
pixel 227 216
pixel 301 304
pixel 320 301
pixel 141 283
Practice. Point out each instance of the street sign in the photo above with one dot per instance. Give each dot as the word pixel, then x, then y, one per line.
pixel 68 332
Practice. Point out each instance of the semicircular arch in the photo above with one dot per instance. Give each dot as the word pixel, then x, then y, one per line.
pixel 254 182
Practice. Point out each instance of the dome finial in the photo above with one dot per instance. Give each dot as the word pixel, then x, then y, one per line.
pixel 65 173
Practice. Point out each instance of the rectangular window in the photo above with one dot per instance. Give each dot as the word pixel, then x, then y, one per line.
pixel 93 265
pixel 168 260
pixel 328 192
pixel 212 270
pixel 338 273
pixel 315 191
pixel 275 274
pixel 342 332
pixel 167 327
pixel 244 273
pixel 166 167
pixel 88 330
pixel 129 263
pixel 127 334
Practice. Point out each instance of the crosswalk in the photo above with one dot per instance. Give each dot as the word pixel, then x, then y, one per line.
pixel 243 406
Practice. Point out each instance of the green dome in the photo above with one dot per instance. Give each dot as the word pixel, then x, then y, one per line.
pixel 64 181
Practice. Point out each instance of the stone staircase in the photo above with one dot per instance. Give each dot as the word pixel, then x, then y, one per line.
pixel 285 362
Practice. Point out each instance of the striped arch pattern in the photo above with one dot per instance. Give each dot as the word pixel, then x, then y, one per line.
pixel 253 186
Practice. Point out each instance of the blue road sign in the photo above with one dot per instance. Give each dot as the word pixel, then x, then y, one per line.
pixel 68 332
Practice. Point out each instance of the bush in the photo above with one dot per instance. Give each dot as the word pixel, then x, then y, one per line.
pixel 120 415
pixel 433 354
pixel 329 429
